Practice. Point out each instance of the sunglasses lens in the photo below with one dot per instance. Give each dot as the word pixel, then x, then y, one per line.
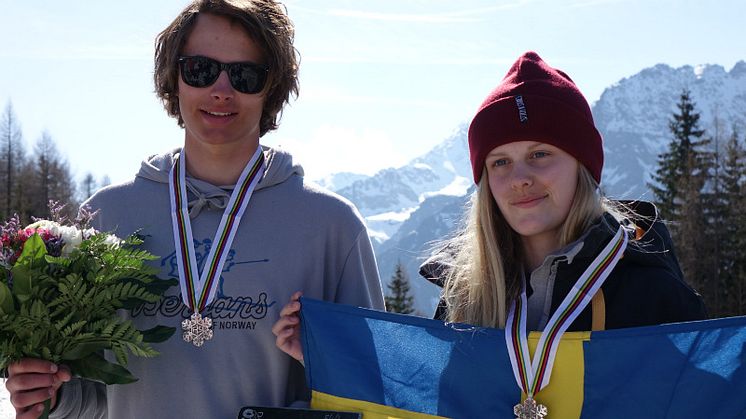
pixel 199 71
pixel 247 78
pixel 203 72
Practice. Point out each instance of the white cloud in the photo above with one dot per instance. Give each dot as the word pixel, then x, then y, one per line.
pixel 333 149
pixel 458 16
pixel 401 17
pixel 591 3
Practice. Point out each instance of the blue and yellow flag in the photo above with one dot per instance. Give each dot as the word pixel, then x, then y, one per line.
pixel 394 366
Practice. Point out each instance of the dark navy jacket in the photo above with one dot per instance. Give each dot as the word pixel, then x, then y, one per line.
pixel 645 288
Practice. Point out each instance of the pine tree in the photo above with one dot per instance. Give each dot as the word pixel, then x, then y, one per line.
pixel 684 173
pixel 12 159
pixel 399 301
pixel 733 226
pixel 689 232
pixel 714 210
pixel 87 186
pixel 51 180
pixel 674 165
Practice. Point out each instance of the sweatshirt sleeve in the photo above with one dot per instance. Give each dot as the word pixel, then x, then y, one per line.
pixel 359 283
pixel 80 398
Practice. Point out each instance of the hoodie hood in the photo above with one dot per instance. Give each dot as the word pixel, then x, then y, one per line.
pixel 280 166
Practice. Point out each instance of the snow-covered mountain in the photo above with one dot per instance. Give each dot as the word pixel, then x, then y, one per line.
pixel 435 219
pixel 337 181
pixel 388 198
pixel 633 117
pixel 409 207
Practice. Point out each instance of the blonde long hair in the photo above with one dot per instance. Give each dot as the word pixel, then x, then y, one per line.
pixel 486 274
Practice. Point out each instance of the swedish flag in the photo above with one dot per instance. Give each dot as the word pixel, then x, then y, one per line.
pixel 393 366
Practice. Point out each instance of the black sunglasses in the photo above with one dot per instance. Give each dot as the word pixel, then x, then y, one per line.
pixel 246 77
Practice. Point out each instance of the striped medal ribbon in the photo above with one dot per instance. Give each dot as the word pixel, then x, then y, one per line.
pixel 198 288
pixel 533 375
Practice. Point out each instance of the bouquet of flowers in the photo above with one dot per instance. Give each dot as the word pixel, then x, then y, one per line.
pixel 61 284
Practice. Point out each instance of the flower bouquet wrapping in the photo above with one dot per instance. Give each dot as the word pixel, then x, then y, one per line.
pixel 60 288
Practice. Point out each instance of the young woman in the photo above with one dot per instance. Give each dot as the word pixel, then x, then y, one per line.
pixel 538 222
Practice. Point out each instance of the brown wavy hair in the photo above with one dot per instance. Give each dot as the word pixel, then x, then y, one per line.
pixel 267 24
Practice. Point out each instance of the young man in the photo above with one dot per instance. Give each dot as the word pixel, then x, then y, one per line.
pixel 224 69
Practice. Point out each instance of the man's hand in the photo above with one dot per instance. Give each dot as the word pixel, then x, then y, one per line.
pixel 287 329
pixel 33 381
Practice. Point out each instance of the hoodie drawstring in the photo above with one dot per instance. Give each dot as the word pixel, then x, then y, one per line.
pixel 199 200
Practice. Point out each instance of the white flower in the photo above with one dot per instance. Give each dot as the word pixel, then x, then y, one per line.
pixel 51 226
pixel 113 240
pixel 71 237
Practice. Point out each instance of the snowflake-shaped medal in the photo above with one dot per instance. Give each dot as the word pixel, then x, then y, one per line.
pixel 197 329
pixel 529 409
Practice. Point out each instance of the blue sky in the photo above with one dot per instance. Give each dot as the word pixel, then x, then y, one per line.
pixel 381 81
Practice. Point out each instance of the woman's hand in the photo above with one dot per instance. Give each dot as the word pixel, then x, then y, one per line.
pixel 33 381
pixel 287 329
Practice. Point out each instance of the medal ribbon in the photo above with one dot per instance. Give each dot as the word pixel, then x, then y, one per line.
pixel 198 289
pixel 532 376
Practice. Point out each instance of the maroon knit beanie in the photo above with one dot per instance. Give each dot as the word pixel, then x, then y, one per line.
pixel 536 102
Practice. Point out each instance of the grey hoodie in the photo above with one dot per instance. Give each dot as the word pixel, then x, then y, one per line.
pixel 293 236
